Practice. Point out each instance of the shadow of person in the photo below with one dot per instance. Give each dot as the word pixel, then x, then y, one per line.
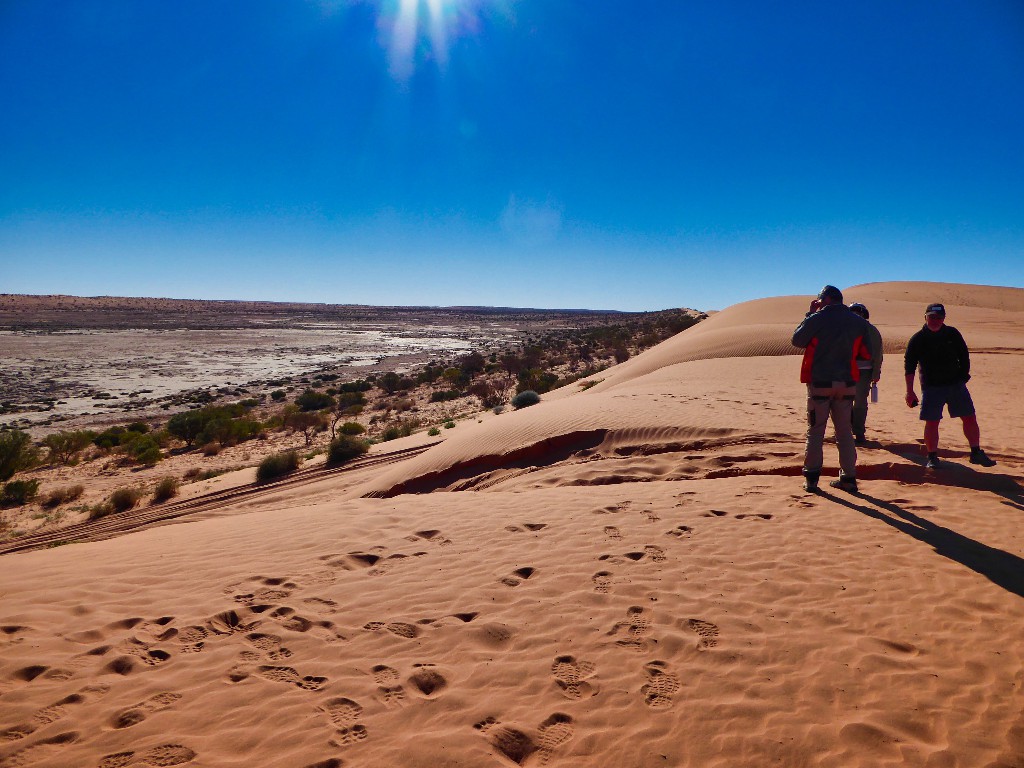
pixel 952 473
pixel 998 566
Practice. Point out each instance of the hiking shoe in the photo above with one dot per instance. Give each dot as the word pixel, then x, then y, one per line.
pixel 811 486
pixel 978 456
pixel 860 440
pixel 847 484
pixel 932 463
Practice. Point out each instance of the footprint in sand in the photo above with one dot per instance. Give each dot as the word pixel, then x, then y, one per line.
pixel 657 554
pixel 680 532
pixel 41 750
pixel 427 680
pixel 344 714
pixel 433 536
pixel 53 713
pixel 517 746
pixel 270 645
pixel 290 676
pixel 519 575
pixel 754 515
pixel 707 633
pixel 660 685
pixel 714 513
pixel 635 630
pixel 602 581
pixel 570 676
pixel 399 628
pixel 612 532
pixel 388 688
pixel 167 755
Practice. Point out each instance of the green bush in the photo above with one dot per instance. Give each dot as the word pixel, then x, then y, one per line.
pixel 449 425
pixel 64 447
pixel 16 452
pixel 525 399
pixel 17 493
pixel 109 439
pixel 311 400
pixel 124 499
pixel 144 449
pixel 221 423
pixel 59 496
pixel 165 489
pixel 444 395
pixel 138 426
pixel 277 395
pixel 352 428
pixel 345 448
pixel 276 465
pixel 434 432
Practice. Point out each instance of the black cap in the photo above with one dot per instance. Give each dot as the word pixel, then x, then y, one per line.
pixel 935 309
pixel 831 292
pixel 860 309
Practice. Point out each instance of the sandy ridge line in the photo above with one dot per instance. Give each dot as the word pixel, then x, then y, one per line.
pixel 117 524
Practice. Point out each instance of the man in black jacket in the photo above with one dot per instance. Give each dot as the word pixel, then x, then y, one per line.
pixel 833 339
pixel 945 363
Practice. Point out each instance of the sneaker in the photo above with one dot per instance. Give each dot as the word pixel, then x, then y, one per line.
pixel 978 456
pixel 932 463
pixel 811 486
pixel 860 440
pixel 848 484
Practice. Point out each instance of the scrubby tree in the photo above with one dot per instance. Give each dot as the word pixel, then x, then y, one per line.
pixel 311 400
pixel 306 422
pixel 64 447
pixel 16 452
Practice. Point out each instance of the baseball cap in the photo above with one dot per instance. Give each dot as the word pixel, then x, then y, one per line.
pixel 831 292
pixel 860 309
pixel 935 309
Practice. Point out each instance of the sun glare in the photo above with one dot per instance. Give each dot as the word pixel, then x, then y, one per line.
pixel 423 29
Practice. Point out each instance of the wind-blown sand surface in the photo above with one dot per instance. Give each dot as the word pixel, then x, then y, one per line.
pixel 625 576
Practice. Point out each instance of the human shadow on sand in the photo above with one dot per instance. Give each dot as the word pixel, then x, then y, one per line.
pixel 998 566
pixel 955 471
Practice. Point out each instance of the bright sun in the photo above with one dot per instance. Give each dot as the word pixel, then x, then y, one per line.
pixel 435 20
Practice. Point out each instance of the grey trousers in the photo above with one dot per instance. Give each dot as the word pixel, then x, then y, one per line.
pixel 822 402
pixel 859 417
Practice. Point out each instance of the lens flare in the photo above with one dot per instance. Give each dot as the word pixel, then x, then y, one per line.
pixel 424 29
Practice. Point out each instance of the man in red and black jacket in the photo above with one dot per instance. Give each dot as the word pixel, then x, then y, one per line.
pixel 833 338
pixel 945 363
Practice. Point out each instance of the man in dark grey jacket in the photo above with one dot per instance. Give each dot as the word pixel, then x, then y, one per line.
pixel 833 339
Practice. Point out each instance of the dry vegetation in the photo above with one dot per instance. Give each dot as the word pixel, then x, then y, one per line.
pixel 85 474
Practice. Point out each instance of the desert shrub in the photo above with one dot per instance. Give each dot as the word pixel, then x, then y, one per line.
pixel 16 452
pixel 144 449
pixel 59 496
pixel 345 448
pixel 278 395
pixel 525 399
pixel 216 422
pixel 64 447
pixel 489 394
pixel 498 409
pixel 109 439
pixel 124 499
pixel 251 402
pixel 311 400
pixel 348 399
pixel 537 380
pixel 449 425
pixel 444 395
pixel 277 465
pixel 308 423
pixel 100 510
pixel 228 431
pixel 352 428
pixel 165 489
pixel 210 449
pixel 403 428
pixel 17 493
pixel 434 432
pixel 138 426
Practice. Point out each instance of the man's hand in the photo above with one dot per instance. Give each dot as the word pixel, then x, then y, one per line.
pixel 912 400
pixel 815 305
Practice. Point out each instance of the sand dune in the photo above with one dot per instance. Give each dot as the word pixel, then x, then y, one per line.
pixel 624 576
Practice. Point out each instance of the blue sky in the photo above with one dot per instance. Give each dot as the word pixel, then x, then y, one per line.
pixel 540 153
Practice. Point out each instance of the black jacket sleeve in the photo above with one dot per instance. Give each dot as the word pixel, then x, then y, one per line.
pixel 963 356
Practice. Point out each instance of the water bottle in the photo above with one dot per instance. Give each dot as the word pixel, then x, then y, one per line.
pixel 874 393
